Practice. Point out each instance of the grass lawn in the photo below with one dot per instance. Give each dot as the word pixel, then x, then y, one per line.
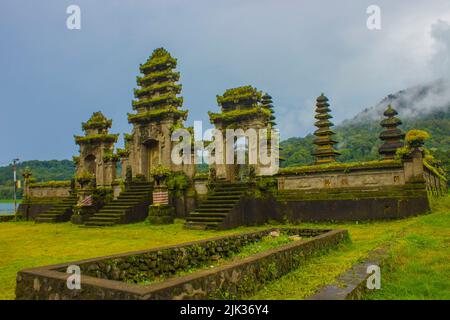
pixel 26 245
pixel 418 267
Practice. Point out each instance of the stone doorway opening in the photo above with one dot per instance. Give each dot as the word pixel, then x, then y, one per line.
pixel 153 154
pixel 90 164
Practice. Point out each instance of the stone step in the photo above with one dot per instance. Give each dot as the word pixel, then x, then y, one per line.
pixel 103 219
pixel 48 215
pixel 214 197
pixel 118 206
pixel 231 189
pixel 114 211
pixel 204 219
pixel 58 211
pixel 124 203
pixel 111 212
pixel 226 193
pixel 230 184
pixel 212 210
pixel 45 220
pixel 135 194
pixel 139 189
pixel 216 205
pixel 109 215
pixel 99 224
pixel 231 201
pixel 207 214
pixel 202 225
pixel 130 197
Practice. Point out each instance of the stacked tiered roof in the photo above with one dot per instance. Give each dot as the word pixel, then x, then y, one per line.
pixel 266 102
pixel 96 130
pixel 157 97
pixel 240 104
pixel 391 135
pixel 324 151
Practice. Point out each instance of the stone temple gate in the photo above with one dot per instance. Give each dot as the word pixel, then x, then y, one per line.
pixel 157 115
pixel 97 150
pixel 158 112
pixel 243 108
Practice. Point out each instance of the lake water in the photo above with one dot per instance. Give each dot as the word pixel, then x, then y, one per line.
pixel 7 207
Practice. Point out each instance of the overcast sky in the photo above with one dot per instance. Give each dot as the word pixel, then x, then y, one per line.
pixel 52 78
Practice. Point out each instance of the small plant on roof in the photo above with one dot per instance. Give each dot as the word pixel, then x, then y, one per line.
pixel 27 173
pixel 76 160
pixel 123 153
pixel 84 177
pixel 403 152
pixel 160 173
pixel 97 121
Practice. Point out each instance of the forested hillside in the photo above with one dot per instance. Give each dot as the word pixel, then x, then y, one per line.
pixel 359 142
pixel 425 107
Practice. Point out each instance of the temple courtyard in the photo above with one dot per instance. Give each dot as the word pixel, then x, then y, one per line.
pixel 417 266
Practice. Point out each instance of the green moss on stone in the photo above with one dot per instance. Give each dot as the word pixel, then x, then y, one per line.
pixel 51 184
pixel 96 138
pixel 237 115
pixel 157 115
pixel 346 167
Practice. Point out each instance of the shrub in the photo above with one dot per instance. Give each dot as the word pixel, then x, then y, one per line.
pixel 416 138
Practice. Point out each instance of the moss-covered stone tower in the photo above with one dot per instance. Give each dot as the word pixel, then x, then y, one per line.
pixel 324 151
pixel 391 135
pixel 157 114
pixel 97 149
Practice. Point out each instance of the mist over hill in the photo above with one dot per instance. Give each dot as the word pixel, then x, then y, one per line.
pixel 414 102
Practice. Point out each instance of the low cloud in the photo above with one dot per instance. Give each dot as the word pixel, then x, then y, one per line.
pixel 426 98
pixel 440 61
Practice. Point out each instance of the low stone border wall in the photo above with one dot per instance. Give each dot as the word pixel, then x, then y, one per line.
pixel 352 284
pixel 230 280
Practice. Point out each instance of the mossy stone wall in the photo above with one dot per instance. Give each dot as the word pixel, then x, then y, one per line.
pixel 231 280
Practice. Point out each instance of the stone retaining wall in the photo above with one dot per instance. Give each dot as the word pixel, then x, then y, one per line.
pixel 31 208
pixel 358 178
pixel 230 280
pixel 49 192
pixel 7 217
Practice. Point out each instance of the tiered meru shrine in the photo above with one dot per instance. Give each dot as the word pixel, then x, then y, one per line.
pixel 141 182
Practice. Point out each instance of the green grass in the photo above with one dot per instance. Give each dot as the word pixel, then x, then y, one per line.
pixel 266 243
pixel 418 266
pixel 27 245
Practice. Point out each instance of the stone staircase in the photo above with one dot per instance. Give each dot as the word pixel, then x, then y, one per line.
pixel 60 212
pixel 131 206
pixel 212 212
